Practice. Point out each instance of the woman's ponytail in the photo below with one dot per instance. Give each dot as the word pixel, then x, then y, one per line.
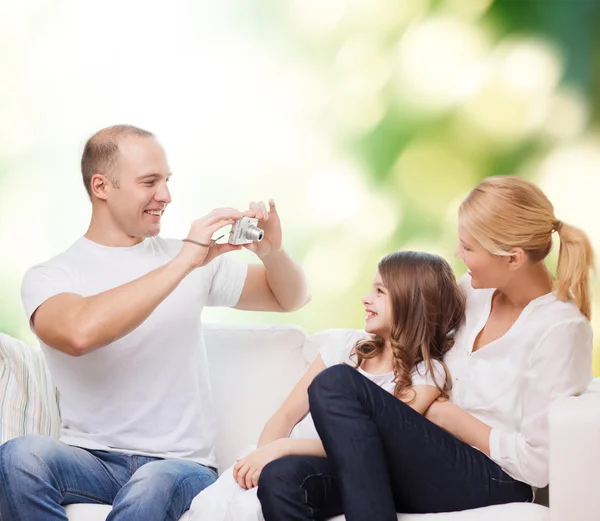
pixel 575 261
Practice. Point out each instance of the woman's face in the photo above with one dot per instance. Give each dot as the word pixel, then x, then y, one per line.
pixel 378 307
pixel 486 270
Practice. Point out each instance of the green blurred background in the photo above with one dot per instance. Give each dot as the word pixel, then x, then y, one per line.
pixel 367 120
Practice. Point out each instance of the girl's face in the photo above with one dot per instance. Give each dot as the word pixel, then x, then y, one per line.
pixel 378 307
pixel 486 270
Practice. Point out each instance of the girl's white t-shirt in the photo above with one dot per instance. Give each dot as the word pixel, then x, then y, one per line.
pixel 339 349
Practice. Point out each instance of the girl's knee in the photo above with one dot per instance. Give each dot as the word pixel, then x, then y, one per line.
pixel 282 472
pixel 336 377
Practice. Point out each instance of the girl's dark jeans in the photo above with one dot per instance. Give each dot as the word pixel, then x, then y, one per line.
pixel 383 458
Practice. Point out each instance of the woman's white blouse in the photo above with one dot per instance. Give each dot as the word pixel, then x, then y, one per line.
pixel 510 383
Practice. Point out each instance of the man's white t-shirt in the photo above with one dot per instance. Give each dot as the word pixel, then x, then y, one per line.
pixel 148 392
pixel 339 349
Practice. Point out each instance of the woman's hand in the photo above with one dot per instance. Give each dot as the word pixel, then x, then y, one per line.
pixel 247 470
pixel 438 411
pixel 460 424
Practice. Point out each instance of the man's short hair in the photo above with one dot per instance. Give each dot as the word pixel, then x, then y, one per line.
pixel 100 153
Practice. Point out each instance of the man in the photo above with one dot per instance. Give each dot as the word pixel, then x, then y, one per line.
pixel 118 318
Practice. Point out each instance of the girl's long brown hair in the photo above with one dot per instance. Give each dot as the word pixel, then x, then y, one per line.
pixel 427 308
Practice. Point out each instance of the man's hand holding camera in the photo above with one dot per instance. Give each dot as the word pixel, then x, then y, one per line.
pixel 257 229
pixel 198 247
pixel 269 223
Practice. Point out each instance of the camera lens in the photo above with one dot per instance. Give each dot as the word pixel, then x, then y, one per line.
pixel 254 233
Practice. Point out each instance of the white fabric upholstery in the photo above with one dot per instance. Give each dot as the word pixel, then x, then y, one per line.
pixel 509 512
pixel 81 512
pixel 254 367
pixel 575 457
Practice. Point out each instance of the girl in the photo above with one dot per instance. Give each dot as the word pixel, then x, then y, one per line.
pixel 526 341
pixel 412 311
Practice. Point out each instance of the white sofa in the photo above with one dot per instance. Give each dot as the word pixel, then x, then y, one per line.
pixel 254 367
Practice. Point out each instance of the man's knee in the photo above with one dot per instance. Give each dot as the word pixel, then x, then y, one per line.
pixel 33 453
pixel 170 477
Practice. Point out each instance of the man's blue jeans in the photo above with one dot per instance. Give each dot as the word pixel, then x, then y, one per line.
pixel 382 457
pixel 38 475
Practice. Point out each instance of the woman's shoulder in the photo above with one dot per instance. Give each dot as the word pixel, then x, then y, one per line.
pixel 563 335
pixel 549 313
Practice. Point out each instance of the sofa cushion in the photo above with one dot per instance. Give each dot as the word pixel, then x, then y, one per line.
pixel 83 512
pixel 28 399
pixel 509 512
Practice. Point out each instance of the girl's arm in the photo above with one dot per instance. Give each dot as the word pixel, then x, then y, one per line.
pixel 272 443
pixel 293 409
pixel 285 446
pixel 301 447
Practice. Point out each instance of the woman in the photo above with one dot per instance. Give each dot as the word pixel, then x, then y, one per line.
pixel 525 341
pixel 399 353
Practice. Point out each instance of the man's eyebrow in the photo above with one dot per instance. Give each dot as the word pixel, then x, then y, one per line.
pixel 154 175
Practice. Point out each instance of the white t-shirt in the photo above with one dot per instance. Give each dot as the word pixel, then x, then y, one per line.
pixel 510 383
pixel 339 349
pixel 148 392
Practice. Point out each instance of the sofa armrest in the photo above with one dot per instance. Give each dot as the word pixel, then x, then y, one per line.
pixel 575 457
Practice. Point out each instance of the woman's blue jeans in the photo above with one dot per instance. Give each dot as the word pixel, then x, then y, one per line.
pixel 38 475
pixel 383 458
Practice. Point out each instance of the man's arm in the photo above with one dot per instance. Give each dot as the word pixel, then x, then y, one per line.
pixel 279 284
pixel 77 325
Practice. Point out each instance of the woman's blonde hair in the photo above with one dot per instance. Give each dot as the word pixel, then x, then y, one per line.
pixel 508 212
pixel 427 308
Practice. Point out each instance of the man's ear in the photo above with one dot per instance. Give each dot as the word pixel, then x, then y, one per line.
pixel 99 185
pixel 517 258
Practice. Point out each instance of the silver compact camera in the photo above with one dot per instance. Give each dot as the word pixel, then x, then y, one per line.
pixel 245 231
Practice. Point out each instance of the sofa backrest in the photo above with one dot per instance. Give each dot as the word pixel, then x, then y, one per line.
pixel 253 368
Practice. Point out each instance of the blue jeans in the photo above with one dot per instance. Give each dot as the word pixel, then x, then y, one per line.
pixel 382 457
pixel 38 475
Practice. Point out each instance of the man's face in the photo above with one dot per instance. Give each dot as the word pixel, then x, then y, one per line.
pixel 140 194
